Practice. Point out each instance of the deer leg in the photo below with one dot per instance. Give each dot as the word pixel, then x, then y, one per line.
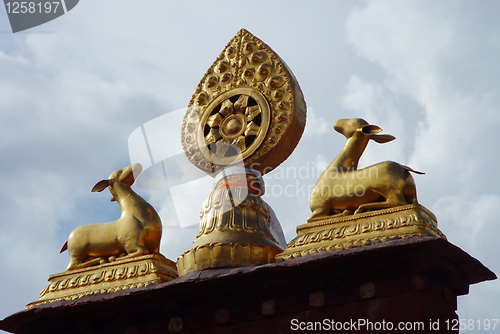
pixel 325 210
pixel 135 247
pixel 138 251
pixel 76 257
pixel 319 212
pixel 347 212
pixel 394 199
pixel 73 264
pixel 133 241
pixel 90 263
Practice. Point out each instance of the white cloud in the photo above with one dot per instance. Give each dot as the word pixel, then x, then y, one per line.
pixel 321 164
pixel 426 72
pixel 404 37
pixel 314 125
pixel 473 219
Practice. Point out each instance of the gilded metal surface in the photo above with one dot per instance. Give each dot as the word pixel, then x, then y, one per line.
pixel 248 98
pixel 137 232
pixel 343 189
pixel 247 109
pixel 354 207
pixel 232 236
pixel 337 233
pixel 110 277
pixel 243 123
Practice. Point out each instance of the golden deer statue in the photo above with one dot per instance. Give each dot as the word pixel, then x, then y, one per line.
pixel 137 232
pixel 343 190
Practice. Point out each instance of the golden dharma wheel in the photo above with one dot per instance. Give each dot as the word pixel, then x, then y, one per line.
pixel 248 106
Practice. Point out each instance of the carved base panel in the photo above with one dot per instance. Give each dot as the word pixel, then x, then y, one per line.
pixel 330 234
pixel 110 277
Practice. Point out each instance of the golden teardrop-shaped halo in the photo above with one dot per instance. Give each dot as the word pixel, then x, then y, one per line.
pixel 248 106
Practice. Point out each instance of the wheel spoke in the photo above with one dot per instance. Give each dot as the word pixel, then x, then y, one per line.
pixel 226 108
pixel 252 112
pixel 236 124
pixel 214 120
pixel 212 136
pixel 240 141
pixel 241 104
pixel 221 147
pixel 252 129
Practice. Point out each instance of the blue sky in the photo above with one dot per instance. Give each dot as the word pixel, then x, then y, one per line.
pixel 73 90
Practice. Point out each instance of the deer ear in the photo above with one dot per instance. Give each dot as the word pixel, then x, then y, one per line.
pixel 382 138
pixel 136 169
pixel 100 186
pixel 371 129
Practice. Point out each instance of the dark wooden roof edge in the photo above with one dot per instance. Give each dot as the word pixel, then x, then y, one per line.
pixel 474 270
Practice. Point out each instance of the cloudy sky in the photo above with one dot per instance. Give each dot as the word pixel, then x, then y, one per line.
pixel 73 90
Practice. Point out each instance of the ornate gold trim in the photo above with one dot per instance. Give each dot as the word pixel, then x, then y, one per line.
pixel 231 236
pixel 246 65
pixel 107 278
pixel 329 221
pixel 362 229
pixel 264 113
pixel 86 293
pixel 231 254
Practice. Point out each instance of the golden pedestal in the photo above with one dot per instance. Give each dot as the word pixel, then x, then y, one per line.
pixel 362 229
pixel 247 111
pixel 231 236
pixel 110 277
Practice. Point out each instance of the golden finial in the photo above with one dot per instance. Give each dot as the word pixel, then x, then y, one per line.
pixel 245 117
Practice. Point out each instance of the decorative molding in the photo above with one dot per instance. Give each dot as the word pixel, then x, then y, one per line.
pixel 246 67
pixel 231 236
pixel 218 213
pixel 231 254
pixel 91 292
pixel 363 229
pixel 107 278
